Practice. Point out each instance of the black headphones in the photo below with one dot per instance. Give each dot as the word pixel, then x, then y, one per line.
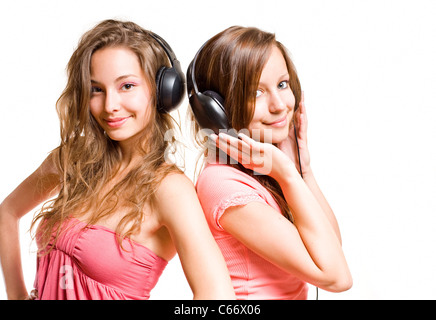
pixel 170 82
pixel 207 106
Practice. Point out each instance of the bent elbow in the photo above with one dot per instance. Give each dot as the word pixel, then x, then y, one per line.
pixel 341 284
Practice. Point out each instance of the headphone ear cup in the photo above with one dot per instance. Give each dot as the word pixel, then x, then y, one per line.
pixel 159 76
pixel 209 111
pixel 170 89
pixel 217 97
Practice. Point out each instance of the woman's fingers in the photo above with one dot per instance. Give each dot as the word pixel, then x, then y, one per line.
pixel 235 148
pixel 254 155
pixel 245 150
pixel 302 119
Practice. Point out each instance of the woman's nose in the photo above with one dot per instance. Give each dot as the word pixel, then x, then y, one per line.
pixel 112 102
pixel 276 103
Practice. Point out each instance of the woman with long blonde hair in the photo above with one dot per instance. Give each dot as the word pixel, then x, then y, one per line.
pixel 119 211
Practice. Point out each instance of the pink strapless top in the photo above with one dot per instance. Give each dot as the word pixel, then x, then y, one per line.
pixel 88 264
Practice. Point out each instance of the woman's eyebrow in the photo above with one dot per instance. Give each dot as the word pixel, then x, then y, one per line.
pixel 281 77
pixel 126 76
pixel 117 79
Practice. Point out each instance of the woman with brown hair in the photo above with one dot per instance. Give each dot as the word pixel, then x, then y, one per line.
pixel 270 219
pixel 119 211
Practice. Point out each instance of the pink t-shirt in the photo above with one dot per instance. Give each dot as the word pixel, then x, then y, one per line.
pixel 220 187
pixel 87 263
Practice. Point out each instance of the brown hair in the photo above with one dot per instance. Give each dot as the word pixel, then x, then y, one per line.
pixel 231 64
pixel 87 158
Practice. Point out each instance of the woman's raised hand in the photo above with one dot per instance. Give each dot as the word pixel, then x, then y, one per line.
pixel 289 145
pixel 262 158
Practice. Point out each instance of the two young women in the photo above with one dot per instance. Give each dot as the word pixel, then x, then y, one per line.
pixel 119 212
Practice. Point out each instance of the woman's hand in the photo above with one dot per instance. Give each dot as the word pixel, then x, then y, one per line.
pixel 33 295
pixel 289 145
pixel 263 158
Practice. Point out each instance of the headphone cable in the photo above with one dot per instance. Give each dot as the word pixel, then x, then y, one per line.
pixel 301 174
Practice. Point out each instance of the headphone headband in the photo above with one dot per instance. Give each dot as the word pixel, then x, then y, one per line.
pixel 170 82
pixel 191 83
pixel 170 53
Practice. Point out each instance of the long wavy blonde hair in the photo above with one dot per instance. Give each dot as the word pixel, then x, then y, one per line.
pixel 87 158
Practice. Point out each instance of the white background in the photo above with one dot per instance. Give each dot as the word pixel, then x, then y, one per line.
pixel 369 75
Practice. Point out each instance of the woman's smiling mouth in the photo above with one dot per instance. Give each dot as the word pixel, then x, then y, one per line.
pixel 116 122
pixel 279 122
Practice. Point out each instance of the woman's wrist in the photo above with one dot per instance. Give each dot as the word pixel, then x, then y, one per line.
pixel 287 175
pixel 307 173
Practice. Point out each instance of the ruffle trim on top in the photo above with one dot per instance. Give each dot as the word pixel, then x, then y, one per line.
pixel 237 199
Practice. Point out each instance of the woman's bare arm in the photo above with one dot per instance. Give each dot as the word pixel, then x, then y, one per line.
pixel 38 187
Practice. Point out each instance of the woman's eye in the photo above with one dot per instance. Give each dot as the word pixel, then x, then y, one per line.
pixel 258 93
pixel 127 86
pixel 283 84
pixel 95 89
